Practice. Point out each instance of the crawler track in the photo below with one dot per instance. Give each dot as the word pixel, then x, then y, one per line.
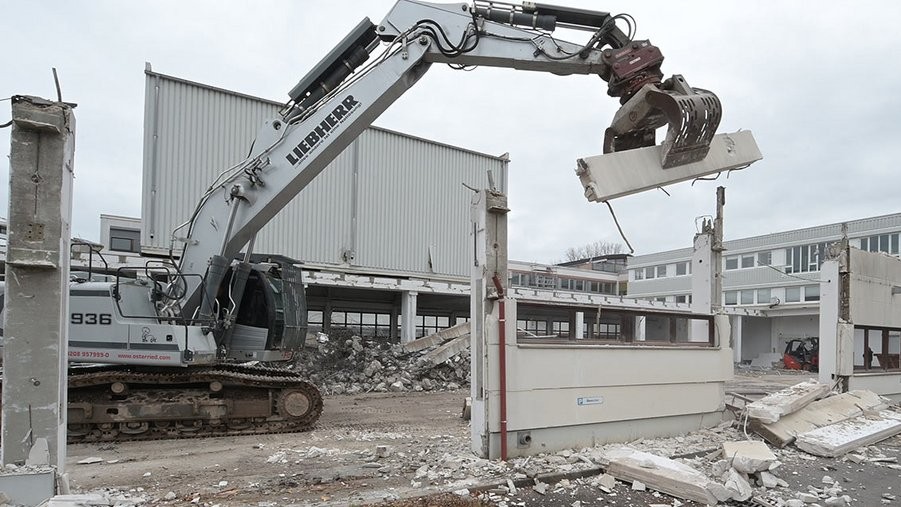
pixel 119 403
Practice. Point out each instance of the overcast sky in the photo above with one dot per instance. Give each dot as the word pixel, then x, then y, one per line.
pixel 815 81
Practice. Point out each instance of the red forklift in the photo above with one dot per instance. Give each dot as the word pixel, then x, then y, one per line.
pixel 802 354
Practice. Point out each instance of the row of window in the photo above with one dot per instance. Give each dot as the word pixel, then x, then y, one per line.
pixel 651 272
pixel 877 349
pixel 747 260
pixel 371 324
pixel 796 294
pixel 886 243
pixel 798 259
pixel 560 328
pixel 550 281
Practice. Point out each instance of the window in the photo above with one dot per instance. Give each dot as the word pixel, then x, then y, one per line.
pixel 731 297
pixel 764 296
pixel 747 297
pixel 365 324
pixel 637 274
pixel 877 348
pixel 649 272
pixel 560 328
pixel 661 271
pixel 661 299
pixel 124 240
pixel 804 258
pixel 886 243
pixel 764 258
pixel 792 294
pixel 811 293
pixel 538 327
pixel 682 268
pixel 608 331
pixel 314 321
pixel 747 261
pixel 731 262
pixel 544 281
pixel 682 298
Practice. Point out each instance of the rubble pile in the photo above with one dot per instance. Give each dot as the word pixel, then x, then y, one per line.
pixel 343 363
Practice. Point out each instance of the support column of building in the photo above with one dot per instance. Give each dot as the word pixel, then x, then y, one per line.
pixel 37 279
pixel 408 316
pixel 836 330
pixel 489 243
pixel 706 273
pixel 737 322
pixel 641 328
pixel 579 332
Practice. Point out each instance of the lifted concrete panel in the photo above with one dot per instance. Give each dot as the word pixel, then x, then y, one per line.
pixel 613 175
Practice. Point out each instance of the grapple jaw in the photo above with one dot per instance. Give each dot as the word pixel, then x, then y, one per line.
pixel 692 116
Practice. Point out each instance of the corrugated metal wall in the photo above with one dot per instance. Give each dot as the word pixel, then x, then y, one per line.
pixel 389 202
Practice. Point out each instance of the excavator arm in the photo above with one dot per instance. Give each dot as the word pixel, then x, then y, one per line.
pixel 350 88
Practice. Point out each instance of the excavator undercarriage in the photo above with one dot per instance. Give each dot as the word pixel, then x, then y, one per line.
pixel 120 403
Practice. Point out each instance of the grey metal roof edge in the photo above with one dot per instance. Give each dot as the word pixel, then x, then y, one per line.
pixel 147 71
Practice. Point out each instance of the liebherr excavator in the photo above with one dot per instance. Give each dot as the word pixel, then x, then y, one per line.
pixel 170 342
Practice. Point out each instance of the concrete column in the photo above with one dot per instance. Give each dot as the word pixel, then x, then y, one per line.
pixel 37 280
pixel 737 322
pixel 408 319
pixel 579 332
pixel 488 212
pixel 702 274
pixel 829 322
pixel 641 328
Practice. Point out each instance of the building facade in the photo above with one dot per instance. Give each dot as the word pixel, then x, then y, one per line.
pixel 775 276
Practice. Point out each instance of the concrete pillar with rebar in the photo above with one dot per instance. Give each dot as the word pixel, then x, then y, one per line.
pixel 37 271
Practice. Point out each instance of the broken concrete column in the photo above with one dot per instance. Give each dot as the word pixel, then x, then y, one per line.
pixel 37 272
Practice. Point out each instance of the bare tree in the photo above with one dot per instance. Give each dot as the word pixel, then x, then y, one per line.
pixel 594 249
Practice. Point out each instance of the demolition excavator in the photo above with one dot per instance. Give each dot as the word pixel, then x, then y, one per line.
pixel 186 348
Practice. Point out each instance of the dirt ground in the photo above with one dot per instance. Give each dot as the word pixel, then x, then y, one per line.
pixel 340 463
pixel 332 464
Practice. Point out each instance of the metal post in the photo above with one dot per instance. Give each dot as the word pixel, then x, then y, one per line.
pixel 37 280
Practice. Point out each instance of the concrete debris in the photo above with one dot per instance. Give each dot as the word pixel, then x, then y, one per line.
pixel 772 407
pixel 808 497
pixel 349 364
pixel 749 456
pixel 90 461
pixel 383 451
pixel 661 474
pixel 818 414
pixel 840 438
pixel 448 350
pixel 607 481
pixel 738 484
pixel 436 339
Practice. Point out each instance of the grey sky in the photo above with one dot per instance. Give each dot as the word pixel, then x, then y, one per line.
pixel 814 81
